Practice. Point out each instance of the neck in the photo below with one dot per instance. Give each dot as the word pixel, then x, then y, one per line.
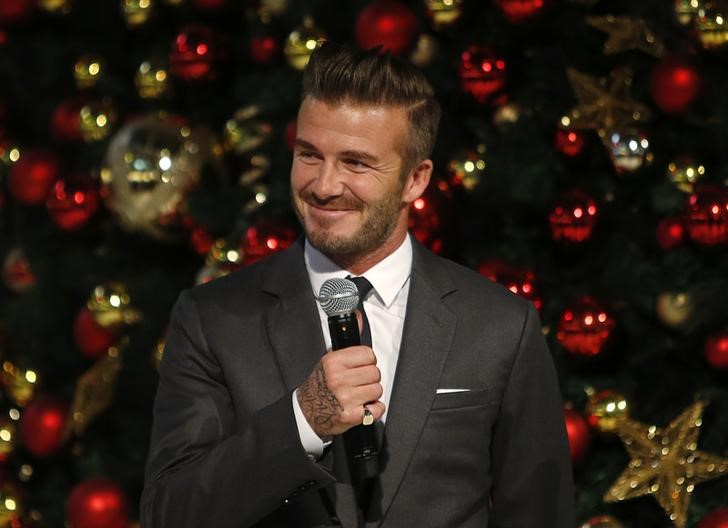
pixel 358 263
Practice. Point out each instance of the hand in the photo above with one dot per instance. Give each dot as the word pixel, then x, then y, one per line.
pixel 342 383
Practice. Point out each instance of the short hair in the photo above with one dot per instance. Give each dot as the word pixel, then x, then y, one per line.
pixel 341 74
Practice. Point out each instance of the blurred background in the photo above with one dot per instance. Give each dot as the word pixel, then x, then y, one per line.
pixel 582 162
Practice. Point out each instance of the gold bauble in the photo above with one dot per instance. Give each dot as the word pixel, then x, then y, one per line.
pixel 686 10
pixel 712 25
pixel 151 166
pixel 674 308
pixel 152 79
pixel 244 133
pixel 467 168
pixel 260 193
pixel 685 173
pixel 8 437
pixel 425 50
pixel 88 70
pixel 96 120
pixel 19 384
pixel 267 9
pixel 601 521
pixel 111 306
pixel 301 43
pixel 55 6
pixel 9 151
pixel 137 12
pixel 507 114
pixel 606 409
pixel 443 13
pixel 225 252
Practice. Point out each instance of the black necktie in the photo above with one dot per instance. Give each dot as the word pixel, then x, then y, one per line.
pixel 364 287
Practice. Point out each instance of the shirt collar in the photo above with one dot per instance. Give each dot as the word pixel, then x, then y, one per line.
pixel 387 277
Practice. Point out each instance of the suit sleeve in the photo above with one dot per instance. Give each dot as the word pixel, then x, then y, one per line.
pixel 532 475
pixel 205 468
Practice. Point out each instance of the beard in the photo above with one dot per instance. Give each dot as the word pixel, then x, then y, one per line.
pixel 378 224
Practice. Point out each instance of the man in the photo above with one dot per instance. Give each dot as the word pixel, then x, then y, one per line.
pixel 250 410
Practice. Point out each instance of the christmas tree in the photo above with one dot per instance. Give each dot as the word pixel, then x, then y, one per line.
pixel 581 162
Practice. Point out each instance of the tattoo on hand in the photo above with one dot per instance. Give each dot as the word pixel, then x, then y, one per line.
pixel 319 405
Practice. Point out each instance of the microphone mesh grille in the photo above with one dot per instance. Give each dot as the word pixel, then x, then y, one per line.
pixel 338 296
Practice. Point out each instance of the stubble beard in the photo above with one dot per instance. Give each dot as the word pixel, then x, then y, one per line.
pixel 378 225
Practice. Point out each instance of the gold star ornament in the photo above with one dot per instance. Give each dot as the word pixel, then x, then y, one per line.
pixel 666 463
pixel 604 104
pixel 627 33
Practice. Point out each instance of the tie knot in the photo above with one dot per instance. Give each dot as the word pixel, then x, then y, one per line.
pixel 363 285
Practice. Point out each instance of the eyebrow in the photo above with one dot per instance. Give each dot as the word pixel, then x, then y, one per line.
pixel 356 154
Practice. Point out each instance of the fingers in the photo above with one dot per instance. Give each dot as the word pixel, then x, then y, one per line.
pixel 356 356
pixel 377 409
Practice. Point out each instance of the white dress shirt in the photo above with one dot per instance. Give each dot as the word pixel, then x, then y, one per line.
pixel 385 307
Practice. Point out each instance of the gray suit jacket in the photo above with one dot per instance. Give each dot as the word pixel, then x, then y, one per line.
pixel 225 450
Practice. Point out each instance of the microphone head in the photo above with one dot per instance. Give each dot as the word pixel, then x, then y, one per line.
pixel 338 296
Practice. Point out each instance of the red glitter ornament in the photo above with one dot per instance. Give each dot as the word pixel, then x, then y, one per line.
pixel 201 241
pixel 585 327
pixel 519 281
pixel 716 350
pixel 578 432
pixel 707 216
pixel 519 10
pixel 675 84
pixel 17 274
pixel 670 232
pixel 569 142
pixel 43 424
pixel 573 217
pixel 430 216
pixel 97 503
pixel 91 338
pixel 195 54
pixel 73 201
pixel 716 519
pixel 389 24
pixel 264 49
pixel 15 10
pixel 266 238
pixel 482 73
pixel 33 175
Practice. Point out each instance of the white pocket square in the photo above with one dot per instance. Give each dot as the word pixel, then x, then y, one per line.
pixel 450 391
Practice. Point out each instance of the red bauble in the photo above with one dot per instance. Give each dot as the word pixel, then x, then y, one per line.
pixel 519 10
pixel 97 503
pixel 578 432
pixel 707 216
pixel 519 281
pixel 670 232
pixel 264 49
pixel 715 519
pixel 33 175
pixel 66 124
pixel 17 274
pixel 15 10
pixel 201 241
pixel 430 216
pixel 569 142
pixel 91 338
pixel 73 201
pixel 573 217
pixel 585 327
pixel 43 424
pixel 674 85
pixel 195 54
pixel 716 350
pixel 266 238
pixel 482 73
pixel 389 24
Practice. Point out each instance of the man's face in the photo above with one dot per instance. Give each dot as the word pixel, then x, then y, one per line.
pixel 347 185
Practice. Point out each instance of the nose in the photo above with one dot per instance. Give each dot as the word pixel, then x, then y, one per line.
pixel 328 182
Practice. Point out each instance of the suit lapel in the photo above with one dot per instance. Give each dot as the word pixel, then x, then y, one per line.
pixel 427 336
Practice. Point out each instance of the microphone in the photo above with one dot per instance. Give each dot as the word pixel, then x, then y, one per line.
pixel 339 299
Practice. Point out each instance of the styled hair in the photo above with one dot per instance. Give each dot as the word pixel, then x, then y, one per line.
pixel 340 74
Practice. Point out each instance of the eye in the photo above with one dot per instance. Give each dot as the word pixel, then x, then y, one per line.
pixel 355 164
pixel 307 155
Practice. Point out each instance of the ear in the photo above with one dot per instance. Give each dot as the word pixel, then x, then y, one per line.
pixel 417 181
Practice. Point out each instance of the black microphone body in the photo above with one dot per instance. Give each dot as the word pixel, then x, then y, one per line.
pixel 361 442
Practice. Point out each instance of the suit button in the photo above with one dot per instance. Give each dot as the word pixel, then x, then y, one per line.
pixel 311 483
